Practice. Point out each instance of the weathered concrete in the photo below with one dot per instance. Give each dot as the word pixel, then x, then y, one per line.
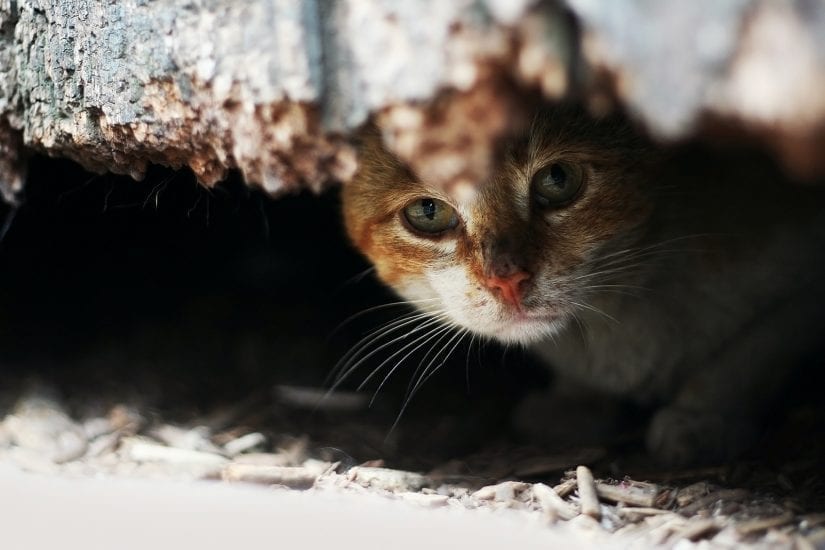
pixel 273 87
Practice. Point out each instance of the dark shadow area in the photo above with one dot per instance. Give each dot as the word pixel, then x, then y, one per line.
pixel 185 299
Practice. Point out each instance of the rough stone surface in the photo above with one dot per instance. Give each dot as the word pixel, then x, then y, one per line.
pixel 218 85
pixel 755 63
pixel 273 88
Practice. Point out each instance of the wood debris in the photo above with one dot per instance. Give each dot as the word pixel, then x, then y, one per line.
pixel 292 477
pixel 712 499
pixel 553 503
pixel 244 443
pixel 587 492
pixel 502 492
pixel 143 450
pixel 699 528
pixel 386 478
pixel 746 528
pixel 629 492
pixel 565 487
pixel 121 442
pixel 690 493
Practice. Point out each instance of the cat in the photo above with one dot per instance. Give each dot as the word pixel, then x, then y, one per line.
pixel 687 282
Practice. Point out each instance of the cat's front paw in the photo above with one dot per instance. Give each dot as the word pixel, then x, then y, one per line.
pixel 681 436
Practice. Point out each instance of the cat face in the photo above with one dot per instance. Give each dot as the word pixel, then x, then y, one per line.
pixel 517 257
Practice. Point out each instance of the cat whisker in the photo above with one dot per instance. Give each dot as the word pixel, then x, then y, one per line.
pixel 664 243
pixel 424 359
pixel 596 292
pixel 625 270
pixel 385 328
pixel 633 291
pixel 629 259
pixel 358 360
pixel 426 376
pixel 358 277
pixel 579 324
pixel 375 335
pixel 467 361
pixel 432 335
pixel 430 371
pixel 426 339
pixel 620 286
pixel 594 309
pixel 380 307
pixel 606 260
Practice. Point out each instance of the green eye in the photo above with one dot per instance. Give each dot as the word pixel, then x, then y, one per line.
pixel 557 184
pixel 430 216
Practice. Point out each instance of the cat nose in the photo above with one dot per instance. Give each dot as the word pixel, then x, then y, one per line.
pixel 509 286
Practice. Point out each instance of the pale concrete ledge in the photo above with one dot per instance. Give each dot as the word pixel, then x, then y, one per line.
pixel 48 512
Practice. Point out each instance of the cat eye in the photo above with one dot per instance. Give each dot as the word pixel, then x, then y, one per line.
pixel 430 216
pixel 557 184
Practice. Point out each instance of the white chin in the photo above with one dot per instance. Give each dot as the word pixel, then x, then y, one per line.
pixel 521 331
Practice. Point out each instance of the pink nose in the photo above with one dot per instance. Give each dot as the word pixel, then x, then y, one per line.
pixel 508 286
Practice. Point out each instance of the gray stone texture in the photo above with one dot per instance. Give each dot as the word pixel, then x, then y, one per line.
pixel 274 88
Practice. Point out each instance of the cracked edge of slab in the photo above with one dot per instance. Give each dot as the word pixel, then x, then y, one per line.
pixel 274 88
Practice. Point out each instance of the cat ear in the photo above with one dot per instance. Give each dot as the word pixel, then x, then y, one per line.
pixel 368 133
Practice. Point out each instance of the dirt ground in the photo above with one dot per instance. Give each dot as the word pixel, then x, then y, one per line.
pixel 121 466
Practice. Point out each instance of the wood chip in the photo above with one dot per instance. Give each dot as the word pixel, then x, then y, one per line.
pixel 320 467
pixel 126 419
pixel 690 493
pixel 809 521
pixel 141 450
pixel 707 501
pixel 293 477
pixel 96 427
pixel 264 459
pixel 294 449
pixel 40 424
pixel 565 487
pixel 629 492
pixel 642 511
pixel 244 443
pixel 745 528
pixel 103 444
pixel 587 493
pixel 699 528
pixel 501 492
pixel 387 479
pixel 429 501
pixel 194 439
pixel 552 503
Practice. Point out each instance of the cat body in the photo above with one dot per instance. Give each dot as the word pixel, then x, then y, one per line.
pixel 683 283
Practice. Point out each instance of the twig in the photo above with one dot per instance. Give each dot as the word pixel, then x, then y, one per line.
pixel 698 529
pixel 587 492
pixel 746 528
pixel 692 492
pixel 565 487
pixel 551 502
pixel 635 493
